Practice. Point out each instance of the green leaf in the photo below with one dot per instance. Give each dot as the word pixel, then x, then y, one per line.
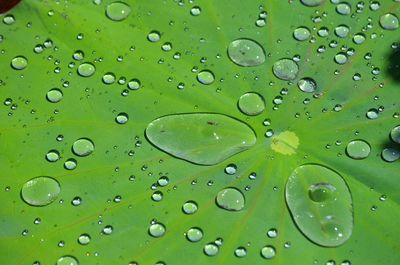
pixel 82 80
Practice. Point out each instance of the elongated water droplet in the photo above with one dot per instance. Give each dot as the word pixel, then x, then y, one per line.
pixel 230 199
pixel 246 52
pixel 83 147
pixel 200 138
pixel 358 149
pixel 285 69
pixel 19 63
pixel 118 11
pixel 206 77
pixel 311 2
pixel 321 205
pixel 240 252
pixel 251 104
pixel 301 33
pixel 67 260
pixel 86 69
pixel 40 191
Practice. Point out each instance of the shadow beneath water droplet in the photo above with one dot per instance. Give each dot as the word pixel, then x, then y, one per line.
pixel 393 67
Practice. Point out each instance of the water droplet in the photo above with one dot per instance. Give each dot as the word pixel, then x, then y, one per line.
pixel 154 36
pixel 268 252
pixel 301 33
pixel 78 55
pixel 211 249
pixel 157 230
pixel 122 118
pixel 251 104
pixel 108 78
pixel 307 85
pixel 19 63
pixel 230 199
pixel 40 191
pixel 359 38
pixel 272 233
pixel 84 239
pixel 395 134
pixel 76 201
pixel 83 147
pixel 372 114
pixel 86 69
pixel 341 58
pixel 230 169
pixel 200 138
pixel 67 260
pixel 246 52
pixel 9 19
pixel 52 156
pixel 240 252
pixel 390 154
pixel 358 149
pixel 343 8
pixel 342 31
pixel 54 95
pixel 118 11
pixel 189 207
pixel 107 230
pixel 321 205
pixel 194 234
pixel 134 84
pixel 285 69
pixel 206 77
pixel 195 11
pixel 70 164
pixel 389 21
pixel 311 2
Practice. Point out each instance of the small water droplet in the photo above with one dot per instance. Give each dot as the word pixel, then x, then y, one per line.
pixel 268 252
pixel 52 156
pixel 372 114
pixel 342 31
pixel 240 252
pixel 86 69
pixel 246 52
pixel 211 249
pixel 358 149
pixel 343 8
pixel 67 260
pixel 272 233
pixel 154 36
pixel 285 69
pixel 40 191
pixel 84 239
pixel 230 199
pixel 54 95
pixel 390 154
pixel 108 78
pixel 118 11
pixel 83 147
pixel 122 118
pixel 206 77
pixel 70 164
pixel 189 207
pixel 395 134
pixel 251 104
pixel 195 11
pixel 107 230
pixel 307 85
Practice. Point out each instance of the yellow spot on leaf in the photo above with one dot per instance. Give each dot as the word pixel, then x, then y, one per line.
pixel 285 143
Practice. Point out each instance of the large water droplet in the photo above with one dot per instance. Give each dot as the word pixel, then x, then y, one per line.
pixel 311 2
pixel 67 260
pixel 54 95
pixel 40 191
pixel 395 134
pixel 157 230
pixel 301 33
pixel 118 11
pixel 251 103
pixel 342 31
pixel 358 149
pixel 211 249
pixel 206 77
pixel 83 147
pixel 321 205
pixel 390 154
pixel 230 199
pixel 307 85
pixel 194 234
pixel 19 63
pixel 201 138
pixel 86 69
pixel 268 252
pixel 285 69
pixel 389 21
pixel 246 52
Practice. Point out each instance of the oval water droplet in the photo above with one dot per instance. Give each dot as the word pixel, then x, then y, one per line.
pixel 54 95
pixel 52 156
pixel 108 78
pixel 122 118
pixel 194 234
pixel 157 230
pixel 67 260
pixel 70 164
pixel 19 63
pixel 206 77
pixel 389 21
pixel 285 69
pixel 390 154
pixel 358 149
pixel 154 36
pixel 321 205
pixel 240 252
pixel 343 8
pixel 372 114
pixel 395 134
pixel 230 199
pixel 307 85
pixel 84 239
pixel 311 2
pixel 251 104
pixel 246 52
pixel 86 69
pixel 40 191
pixel 189 207
pixel 342 31
pixel 301 33
pixel 211 249
pixel 83 147
pixel 201 138
pixel 268 252
pixel 118 11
